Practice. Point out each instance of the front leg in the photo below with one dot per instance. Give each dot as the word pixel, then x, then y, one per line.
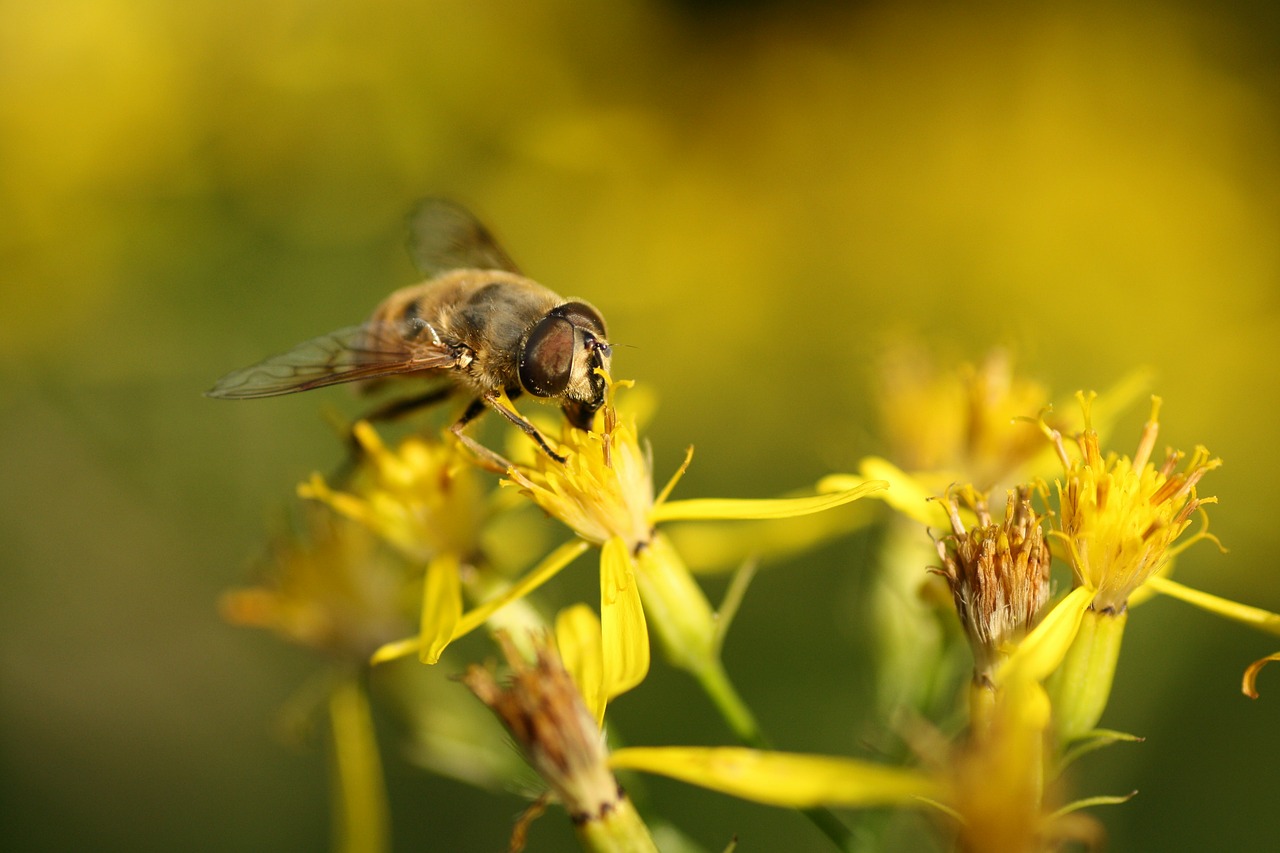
pixel 489 460
pixel 490 398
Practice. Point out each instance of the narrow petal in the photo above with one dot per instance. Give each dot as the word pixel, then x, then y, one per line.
pixel 1040 653
pixel 395 650
pixel 715 547
pixel 540 574
pixel 543 572
pixel 625 636
pixel 1254 617
pixel 783 779
pixel 441 606
pixel 744 509
pixel 578 636
pixel 675 478
pixel 905 493
pixel 1250 683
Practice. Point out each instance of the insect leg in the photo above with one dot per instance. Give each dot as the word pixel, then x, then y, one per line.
pixel 490 398
pixel 394 409
pixel 492 461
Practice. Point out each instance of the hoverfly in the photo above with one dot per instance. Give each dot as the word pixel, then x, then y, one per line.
pixel 475 323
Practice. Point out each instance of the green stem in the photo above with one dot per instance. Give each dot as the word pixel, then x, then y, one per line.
pixel 360 819
pixel 619 831
pixel 1081 686
pixel 715 682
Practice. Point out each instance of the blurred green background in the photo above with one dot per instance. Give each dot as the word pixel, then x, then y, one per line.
pixel 758 196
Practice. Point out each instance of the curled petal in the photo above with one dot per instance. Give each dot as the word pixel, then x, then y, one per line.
pixel 1250 683
pixel 625 636
pixel 783 779
pixel 540 574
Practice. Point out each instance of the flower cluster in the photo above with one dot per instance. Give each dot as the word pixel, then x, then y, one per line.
pixel 404 537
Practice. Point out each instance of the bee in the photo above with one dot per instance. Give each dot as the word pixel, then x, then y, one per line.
pixel 475 323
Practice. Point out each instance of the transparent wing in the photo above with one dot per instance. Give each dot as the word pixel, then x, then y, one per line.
pixel 347 355
pixel 446 236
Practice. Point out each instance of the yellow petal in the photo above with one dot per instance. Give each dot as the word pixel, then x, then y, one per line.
pixel 782 779
pixel 625 636
pixel 905 493
pixel 1025 706
pixel 1254 617
pixel 710 547
pixel 1250 683
pixel 540 574
pixel 395 650
pixel 543 572
pixel 1041 651
pixel 578 636
pixel 441 606
pixel 744 509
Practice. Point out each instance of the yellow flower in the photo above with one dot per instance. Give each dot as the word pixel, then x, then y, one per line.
pixel 1119 516
pixel 604 492
pixel 968 423
pixel 423 498
pixel 1119 519
pixel 334 588
pixel 964 421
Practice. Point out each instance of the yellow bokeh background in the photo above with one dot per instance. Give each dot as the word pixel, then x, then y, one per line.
pixel 759 197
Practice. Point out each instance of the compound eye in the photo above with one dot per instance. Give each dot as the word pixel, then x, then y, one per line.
pixel 546 361
pixel 583 316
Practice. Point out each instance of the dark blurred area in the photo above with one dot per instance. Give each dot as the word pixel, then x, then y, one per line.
pixel 760 197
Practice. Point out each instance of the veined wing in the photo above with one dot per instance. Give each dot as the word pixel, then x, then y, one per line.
pixel 347 355
pixel 445 236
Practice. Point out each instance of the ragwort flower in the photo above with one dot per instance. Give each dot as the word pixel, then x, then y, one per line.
pixel 426 499
pixel 1120 523
pixel 423 497
pixel 998 574
pixel 332 587
pixel 942 425
pixel 337 589
pixel 1120 516
pixel 604 492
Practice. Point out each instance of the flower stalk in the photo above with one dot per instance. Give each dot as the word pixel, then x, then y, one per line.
pixel 361 820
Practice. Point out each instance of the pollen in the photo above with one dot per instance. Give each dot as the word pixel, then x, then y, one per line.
pixel 1120 516
pixel 604 488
